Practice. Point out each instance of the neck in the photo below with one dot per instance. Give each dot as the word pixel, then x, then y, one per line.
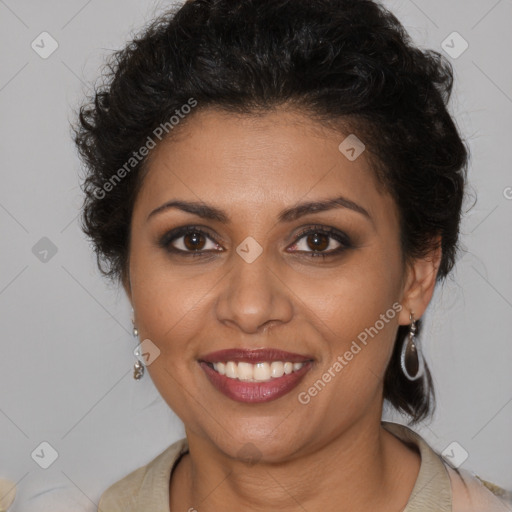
pixel 364 468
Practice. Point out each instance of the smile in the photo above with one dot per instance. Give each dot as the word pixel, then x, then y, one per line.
pixel 253 376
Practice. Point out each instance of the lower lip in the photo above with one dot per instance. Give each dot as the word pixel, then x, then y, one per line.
pixel 255 392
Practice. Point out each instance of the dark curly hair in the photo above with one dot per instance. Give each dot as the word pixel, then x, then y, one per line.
pixel 346 63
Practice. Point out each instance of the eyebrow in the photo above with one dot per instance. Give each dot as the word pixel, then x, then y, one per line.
pixel 210 212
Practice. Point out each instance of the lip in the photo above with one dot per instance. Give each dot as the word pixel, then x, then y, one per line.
pixel 254 392
pixel 241 355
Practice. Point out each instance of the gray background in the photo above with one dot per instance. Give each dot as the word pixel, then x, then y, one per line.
pixel 66 364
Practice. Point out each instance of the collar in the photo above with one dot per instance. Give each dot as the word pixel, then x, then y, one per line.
pixel 432 490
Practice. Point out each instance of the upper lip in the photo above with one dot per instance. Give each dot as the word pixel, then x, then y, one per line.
pixel 254 355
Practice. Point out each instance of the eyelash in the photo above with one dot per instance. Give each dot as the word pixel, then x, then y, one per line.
pixel 166 240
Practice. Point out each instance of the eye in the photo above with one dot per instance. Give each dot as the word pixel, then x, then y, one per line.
pixel 189 239
pixel 321 241
pixel 314 241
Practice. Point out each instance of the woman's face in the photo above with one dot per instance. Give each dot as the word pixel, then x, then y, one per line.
pixel 249 279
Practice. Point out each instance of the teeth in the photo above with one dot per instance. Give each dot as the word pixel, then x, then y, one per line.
pixel 231 370
pixel 259 372
pixel 221 368
pixel 276 369
pixel 245 371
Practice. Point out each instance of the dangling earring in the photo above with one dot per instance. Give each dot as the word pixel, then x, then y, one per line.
pixel 138 367
pixel 138 370
pixel 411 359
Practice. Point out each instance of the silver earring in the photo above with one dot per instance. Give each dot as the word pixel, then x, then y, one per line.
pixel 135 331
pixel 138 370
pixel 138 367
pixel 411 359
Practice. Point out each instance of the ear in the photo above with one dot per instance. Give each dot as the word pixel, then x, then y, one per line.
pixel 421 275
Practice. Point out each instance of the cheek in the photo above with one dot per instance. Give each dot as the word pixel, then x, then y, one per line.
pixel 165 297
pixel 356 313
pixel 353 296
pixel 359 338
pixel 170 312
pixel 348 382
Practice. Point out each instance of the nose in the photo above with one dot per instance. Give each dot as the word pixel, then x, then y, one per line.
pixel 254 297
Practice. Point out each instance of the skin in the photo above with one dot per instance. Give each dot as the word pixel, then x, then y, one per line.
pixel 332 450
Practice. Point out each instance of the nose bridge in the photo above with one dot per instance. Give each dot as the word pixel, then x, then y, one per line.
pixel 254 294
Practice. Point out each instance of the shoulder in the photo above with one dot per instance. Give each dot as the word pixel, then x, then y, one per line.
pixel 147 486
pixel 450 489
pixel 470 493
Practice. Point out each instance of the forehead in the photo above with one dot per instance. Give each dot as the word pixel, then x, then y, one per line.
pixel 248 161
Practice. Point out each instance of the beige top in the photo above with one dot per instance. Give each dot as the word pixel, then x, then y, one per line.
pixel 438 487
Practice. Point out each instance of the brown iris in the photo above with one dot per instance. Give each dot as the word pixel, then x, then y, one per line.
pixel 194 241
pixel 318 241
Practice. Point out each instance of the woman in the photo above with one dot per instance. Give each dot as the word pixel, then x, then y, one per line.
pixel 278 188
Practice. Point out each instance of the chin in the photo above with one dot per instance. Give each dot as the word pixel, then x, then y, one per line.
pixel 259 444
